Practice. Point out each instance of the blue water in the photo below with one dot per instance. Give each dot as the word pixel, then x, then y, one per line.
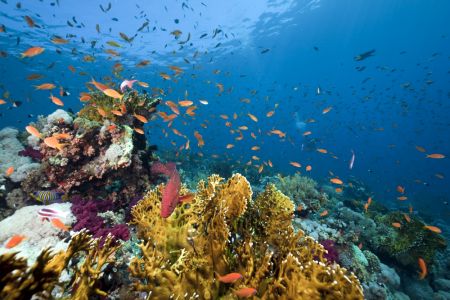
pixel 371 112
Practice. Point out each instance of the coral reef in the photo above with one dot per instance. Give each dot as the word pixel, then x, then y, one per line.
pixel 406 244
pixel 38 233
pixel 79 166
pixel 223 230
pixel 303 191
pixel 10 147
pixel 89 217
pixel 44 277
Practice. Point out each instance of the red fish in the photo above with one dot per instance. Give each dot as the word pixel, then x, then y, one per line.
pixel 229 278
pixel 245 292
pixel 171 193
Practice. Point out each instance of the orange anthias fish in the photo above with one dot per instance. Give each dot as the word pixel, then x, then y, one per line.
pixel 423 268
pixel 190 111
pixel 199 138
pixel 433 228
pixel 278 132
pixel 245 292
pixel 295 164
pixel 173 106
pixel 56 100
pixel 367 204
pixel 14 241
pixel 139 130
pixel 33 131
pixel 140 118
pixel 324 213
pixel 45 86
pixel 112 93
pixel 100 86
pixel 407 218
pixel 229 278
pixel 9 171
pixel 326 110
pixel 308 168
pixel 59 224
pixel 185 103
pixel 254 118
pixel 435 156
pixel 324 151
pixel 336 181
pixel 400 189
pixel 33 51
pixel 402 198
pixel 396 225
pixel 54 143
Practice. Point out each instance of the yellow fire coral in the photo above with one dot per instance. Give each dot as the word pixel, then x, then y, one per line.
pixel 40 280
pixel 224 231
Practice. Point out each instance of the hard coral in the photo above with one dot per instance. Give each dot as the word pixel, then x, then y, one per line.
pixel 221 231
pixel 41 280
pixel 303 191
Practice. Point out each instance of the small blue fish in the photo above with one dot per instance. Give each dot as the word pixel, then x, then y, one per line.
pixel 48 197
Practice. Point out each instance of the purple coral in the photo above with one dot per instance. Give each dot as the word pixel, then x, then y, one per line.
pixel 86 212
pixel 333 255
pixel 30 152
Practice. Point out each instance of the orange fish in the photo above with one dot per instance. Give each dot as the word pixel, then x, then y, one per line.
pixel 324 213
pixel 255 148
pixel 402 198
pixel 56 100
pixel 139 130
pixel 164 76
pixel 306 133
pixel 400 189
pixel 173 107
pixel 112 93
pixel 220 87
pixel 336 181
pixel 141 118
pixel 199 138
pixel 229 278
pixel 190 111
pixel 299 208
pixel 100 86
pixel 117 112
pixel 229 146
pixel 278 132
pixel 295 164
pixel 71 68
pixel 308 168
pixel 396 224
pixel 2 101
pixel 270 113
pixel 14 241
pixel 45 86
pixel 407 218
pixel 9 171
pixel 435 156
pixel 423 268
pixel 338 190
pixel 102 112
pixel 29 21
pixel 254 119
pixel 185 103
pixel 33 51
pixel 245 292
pixel 326 110
pixel 34 76
pixel 270 163
pixel 261 168
pixel 33 131
pixel 322 150
pixel 59 224
pixel 433 228
pixel 54 143
pixel 143 84
pixel 85 97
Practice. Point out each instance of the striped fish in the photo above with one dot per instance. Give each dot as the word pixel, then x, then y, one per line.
pixel 46 197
